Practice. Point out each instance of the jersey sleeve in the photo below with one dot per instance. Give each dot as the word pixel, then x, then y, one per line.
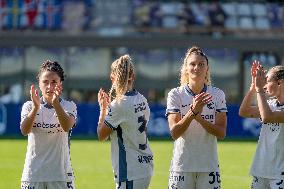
pixel 173 102
pixel 71 109
pixel 221 102
pixel 115 115
pixel 26 108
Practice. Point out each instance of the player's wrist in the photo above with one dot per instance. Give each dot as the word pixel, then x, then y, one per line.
pixel 193 112
pixel 35 108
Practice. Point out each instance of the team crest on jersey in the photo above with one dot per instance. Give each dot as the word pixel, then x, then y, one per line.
pixel 210 105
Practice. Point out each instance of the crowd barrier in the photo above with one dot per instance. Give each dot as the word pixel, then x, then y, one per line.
pixel 157 127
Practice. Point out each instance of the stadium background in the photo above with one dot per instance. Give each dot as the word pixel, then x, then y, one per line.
pixel 86 36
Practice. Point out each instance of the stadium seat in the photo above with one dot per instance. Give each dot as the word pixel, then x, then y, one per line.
pixel 262 23
pixel 231 22
pixel 244 9
pixel 259 10
pixel 246 23
pixel 229 8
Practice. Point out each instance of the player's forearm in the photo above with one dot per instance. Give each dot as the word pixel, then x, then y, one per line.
pixel 180 127
pixel 245 108
pixel 65 120
pixel 264 109
pixel 27 124
pixel 102 116
pixel 214 129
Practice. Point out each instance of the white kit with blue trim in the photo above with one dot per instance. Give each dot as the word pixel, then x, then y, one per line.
pixel 132 157
pixel 196 149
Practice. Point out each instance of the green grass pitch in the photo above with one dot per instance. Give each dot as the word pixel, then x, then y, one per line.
pixel 92 164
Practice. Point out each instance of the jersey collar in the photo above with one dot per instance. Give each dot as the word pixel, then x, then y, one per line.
pixel 45 104
pixel 188 90
pixel 278 104
pixel 131 93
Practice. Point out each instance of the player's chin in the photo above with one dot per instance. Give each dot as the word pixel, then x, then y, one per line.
pixel 48 95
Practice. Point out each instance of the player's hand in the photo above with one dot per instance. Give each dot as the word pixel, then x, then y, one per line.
pixel 253 71
pixel 56 94
pixel 199 101
pixel 103 100
pixel 260 78
pixel 35 97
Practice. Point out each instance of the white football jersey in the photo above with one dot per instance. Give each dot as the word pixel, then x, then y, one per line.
pixel 269 157
pixel 48 150
pixel 196 149
pixel 132 157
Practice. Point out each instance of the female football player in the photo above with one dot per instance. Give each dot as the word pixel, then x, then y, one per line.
pixel 125 120
pixel 196 114
pixel 47 121
pixel 268 164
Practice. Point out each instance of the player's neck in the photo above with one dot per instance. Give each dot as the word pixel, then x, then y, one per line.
pixel 196 87
pixel 130 87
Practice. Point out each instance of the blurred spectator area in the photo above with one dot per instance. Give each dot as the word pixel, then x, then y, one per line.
pixel 85 36
pixel 116 18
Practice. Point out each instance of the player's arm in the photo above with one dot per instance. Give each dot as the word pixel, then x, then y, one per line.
pixel 179 125
pixel 246 108
pixel 219 128
pixel 103 131
pixel 268 116
pixel 27 123
pixel 31 110
pixel 67 121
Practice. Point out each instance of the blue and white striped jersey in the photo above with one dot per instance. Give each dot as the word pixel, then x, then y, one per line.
pixel 48 152
pixel 131 154
pixel 269 157
pixel 196 149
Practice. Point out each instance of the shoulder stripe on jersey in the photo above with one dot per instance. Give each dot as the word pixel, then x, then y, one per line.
pixel 173 110
pixel 222 110
pixel 168 111
pixel 122 168
pixel 109 125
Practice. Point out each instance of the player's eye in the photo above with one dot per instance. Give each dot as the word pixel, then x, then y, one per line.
pixel 201 64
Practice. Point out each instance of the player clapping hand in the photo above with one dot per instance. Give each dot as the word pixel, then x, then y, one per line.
pixel 35 97
pixel 103 99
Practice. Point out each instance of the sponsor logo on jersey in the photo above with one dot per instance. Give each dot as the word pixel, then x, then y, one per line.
pixel 145 159
pixel 46 125
pixel 208 117
pixel 185 105
pixel 274 127
pixel 176 178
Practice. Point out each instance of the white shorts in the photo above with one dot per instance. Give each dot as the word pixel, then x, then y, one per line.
pixel 194 180
pixel 48 185
pixel 264 183
pixel 134 184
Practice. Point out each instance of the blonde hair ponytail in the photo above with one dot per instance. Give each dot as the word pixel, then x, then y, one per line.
pixel 122 69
